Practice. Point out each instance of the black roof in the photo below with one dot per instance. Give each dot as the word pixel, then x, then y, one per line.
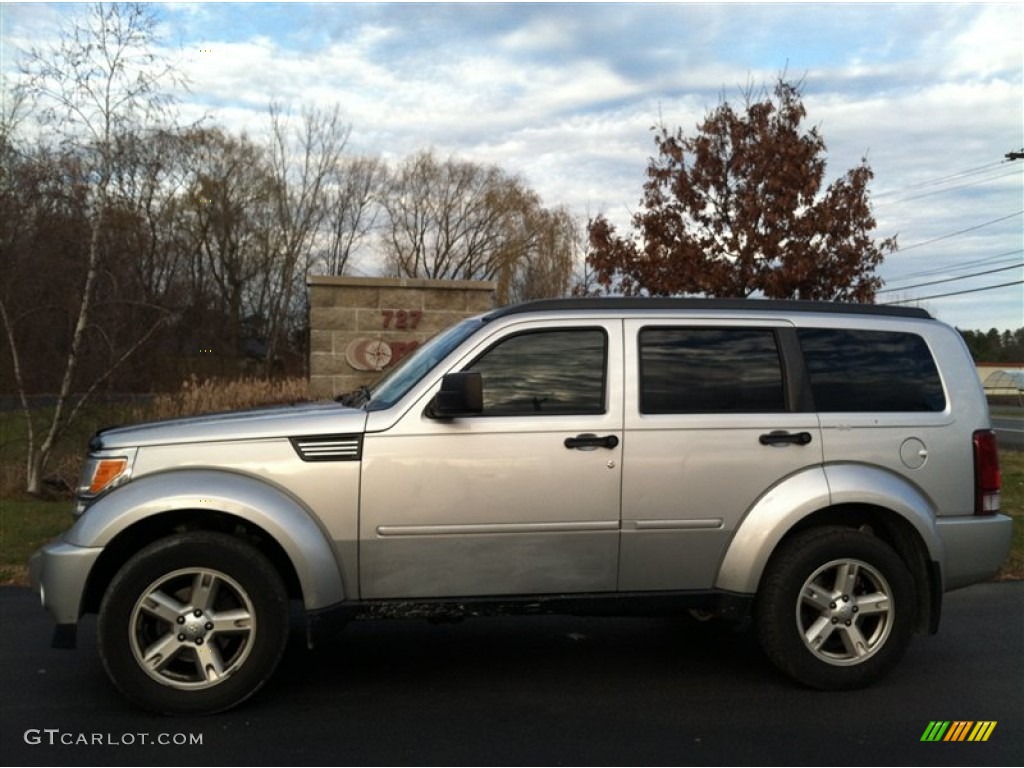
pixel 730 305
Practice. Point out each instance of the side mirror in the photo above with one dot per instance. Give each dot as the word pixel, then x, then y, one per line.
pixel 461 394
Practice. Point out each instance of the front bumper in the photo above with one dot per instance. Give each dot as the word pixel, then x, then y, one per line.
pixel 58 573
pixel 975 548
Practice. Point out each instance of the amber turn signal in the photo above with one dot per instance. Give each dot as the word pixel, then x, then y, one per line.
pixel 106 472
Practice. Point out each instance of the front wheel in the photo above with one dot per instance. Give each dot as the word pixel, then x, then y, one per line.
pixel 836 608
pixel 193 624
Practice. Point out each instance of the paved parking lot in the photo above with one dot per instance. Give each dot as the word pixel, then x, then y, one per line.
pixel 535 691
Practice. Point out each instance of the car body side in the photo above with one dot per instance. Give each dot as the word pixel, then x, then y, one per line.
pixel 339 530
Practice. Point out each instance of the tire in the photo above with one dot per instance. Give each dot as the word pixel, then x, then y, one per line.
pixel 193 624
pixel 836 609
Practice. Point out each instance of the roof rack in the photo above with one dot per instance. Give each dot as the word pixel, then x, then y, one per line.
pixel 733 305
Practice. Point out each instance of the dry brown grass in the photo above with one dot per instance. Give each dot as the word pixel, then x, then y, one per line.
pixel 213 396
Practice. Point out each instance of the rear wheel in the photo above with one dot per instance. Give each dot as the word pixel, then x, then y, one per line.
pixel 836 609
pixel 194 623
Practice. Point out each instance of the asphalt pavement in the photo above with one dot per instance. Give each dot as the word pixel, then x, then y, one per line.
pixel 533 691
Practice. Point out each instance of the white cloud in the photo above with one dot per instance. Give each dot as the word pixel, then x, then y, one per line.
pixel 991 44
pixel 537 35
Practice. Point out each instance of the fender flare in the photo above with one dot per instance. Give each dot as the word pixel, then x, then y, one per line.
pixel 797 497
pixel 270 508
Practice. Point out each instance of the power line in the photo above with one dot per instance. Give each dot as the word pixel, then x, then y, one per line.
pixel 962 175
pixel 953 279
pixel 954 293
pixel 960 232
pixel 943 179
pixel 886 203
pixel 965 265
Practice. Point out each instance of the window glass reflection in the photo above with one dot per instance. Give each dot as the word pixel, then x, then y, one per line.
pixel 710 370
pixel 863 371
pixel 545 373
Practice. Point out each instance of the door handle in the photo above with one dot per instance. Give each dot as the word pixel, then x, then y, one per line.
pixel 589 442
pixel 781 437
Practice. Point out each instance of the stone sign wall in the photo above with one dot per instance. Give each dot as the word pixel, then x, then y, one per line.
pixel 361 327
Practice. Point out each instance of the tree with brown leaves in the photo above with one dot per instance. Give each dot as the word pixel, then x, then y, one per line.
pixel 737 210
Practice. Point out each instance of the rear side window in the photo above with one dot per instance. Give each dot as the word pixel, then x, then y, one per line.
pixel 545 373
pixel 875 371
pixel 710 370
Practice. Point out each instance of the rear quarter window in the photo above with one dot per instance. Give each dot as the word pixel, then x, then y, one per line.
pixel 877 371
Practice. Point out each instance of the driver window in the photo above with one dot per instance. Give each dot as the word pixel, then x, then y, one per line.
pixel 545 373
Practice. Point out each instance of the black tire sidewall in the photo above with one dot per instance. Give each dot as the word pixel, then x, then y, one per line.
pixel 786 575
pixel 220 552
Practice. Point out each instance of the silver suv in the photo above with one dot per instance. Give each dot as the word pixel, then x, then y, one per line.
pixel 826 471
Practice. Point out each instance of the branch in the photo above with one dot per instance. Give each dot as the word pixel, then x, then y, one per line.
pixel 99 380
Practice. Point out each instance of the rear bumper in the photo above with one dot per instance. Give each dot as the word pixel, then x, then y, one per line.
pixel 975 548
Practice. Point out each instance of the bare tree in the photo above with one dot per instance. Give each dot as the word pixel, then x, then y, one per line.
pixel 41 254
pixel 232 202
pixel 99 82
pixel 446 219
pixel 544 266
pixel 352 202
pixel 150 186
pixel 459 220
pixel 302 160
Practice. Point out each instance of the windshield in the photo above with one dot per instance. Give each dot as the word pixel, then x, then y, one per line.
pixel 401 379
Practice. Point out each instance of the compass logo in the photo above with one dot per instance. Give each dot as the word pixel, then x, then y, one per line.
pixel 368 354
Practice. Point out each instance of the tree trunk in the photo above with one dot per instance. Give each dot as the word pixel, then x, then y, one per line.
pixel 32 472
pixel 37 461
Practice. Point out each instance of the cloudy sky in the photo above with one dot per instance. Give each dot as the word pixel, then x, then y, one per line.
pixel 565 96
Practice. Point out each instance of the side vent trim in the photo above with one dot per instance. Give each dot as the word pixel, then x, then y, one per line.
pixel 328 447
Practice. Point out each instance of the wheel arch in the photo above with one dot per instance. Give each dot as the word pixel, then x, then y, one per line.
pixel 155 506
pixel 154 527
pixel 862 498
pixel 898 533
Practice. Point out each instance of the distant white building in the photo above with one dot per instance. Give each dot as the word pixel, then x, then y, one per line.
pixel 1003 380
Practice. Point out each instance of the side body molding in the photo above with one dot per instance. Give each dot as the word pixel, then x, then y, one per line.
pixel 807 492
pixel 279 514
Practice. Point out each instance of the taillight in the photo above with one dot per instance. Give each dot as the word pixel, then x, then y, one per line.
pixel 987 482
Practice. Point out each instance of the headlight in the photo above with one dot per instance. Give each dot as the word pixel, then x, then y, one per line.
pixel 101 473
